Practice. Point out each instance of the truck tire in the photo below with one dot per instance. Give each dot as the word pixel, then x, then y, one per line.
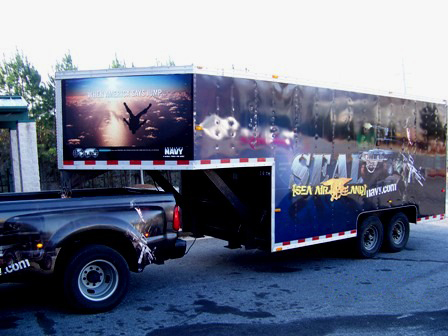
pixel 96 279
pixel 396 233
pixel 370 237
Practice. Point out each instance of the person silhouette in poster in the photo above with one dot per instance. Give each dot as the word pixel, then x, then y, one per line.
pixel 134 120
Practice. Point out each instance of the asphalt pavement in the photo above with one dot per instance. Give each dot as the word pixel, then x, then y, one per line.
pixel 319 290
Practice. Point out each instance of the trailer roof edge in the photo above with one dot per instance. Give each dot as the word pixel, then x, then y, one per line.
pixel 192 69
pixel 156 70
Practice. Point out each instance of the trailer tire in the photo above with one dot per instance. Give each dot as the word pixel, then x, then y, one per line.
pixel 370 237
pixel 96 279
pixel 396 234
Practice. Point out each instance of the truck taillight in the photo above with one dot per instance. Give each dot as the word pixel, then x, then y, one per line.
pixel 177 222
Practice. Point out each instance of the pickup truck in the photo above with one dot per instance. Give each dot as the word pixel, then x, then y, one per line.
pixel 89 241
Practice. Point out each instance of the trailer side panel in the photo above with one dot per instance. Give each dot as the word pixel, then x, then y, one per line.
pixel 337 154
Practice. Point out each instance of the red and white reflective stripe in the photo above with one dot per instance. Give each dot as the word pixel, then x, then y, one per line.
pixel 115 163
pixel 233 161
pixel 160 164
pixel 431 218
pixel 314 240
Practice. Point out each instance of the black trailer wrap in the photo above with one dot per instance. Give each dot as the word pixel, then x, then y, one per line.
pixel 337 153
pixel 331 155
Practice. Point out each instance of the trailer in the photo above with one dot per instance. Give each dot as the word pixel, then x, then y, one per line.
pixel 266 162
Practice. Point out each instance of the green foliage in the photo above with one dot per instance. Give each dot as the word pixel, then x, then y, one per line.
pixel 46 124
pixel 48 92
pixel 18 77
pixel 168 62
pixel 66 63
pixel 117 64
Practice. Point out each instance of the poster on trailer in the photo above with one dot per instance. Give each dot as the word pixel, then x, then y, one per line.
pixel 128 118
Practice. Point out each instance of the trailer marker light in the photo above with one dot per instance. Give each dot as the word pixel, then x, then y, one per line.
pixel 278 210
pixel 278 249
pixel 275 76
pixel 443 190
pixel 39 245
pixel 176 219
pixel 198 128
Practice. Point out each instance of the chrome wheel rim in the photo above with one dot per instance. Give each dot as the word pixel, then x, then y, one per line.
pixel 98 280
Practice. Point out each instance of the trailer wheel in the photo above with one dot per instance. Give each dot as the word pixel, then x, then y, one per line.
pixel 370 237
pixel 96 279
pixel 396 234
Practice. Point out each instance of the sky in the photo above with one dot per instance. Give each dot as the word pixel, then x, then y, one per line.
pixel 387 46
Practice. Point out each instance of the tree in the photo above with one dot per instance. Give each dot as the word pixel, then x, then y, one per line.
pixel 116 63
pixel 46 123
pixel 66 64
pixel 168 62
pixel 48 89
pixel 18 77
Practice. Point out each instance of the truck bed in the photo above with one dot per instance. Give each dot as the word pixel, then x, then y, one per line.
pixel 34 226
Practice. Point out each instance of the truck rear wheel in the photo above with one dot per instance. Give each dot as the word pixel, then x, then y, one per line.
pixel 96 279
pixel 370 237
pixel 396 233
